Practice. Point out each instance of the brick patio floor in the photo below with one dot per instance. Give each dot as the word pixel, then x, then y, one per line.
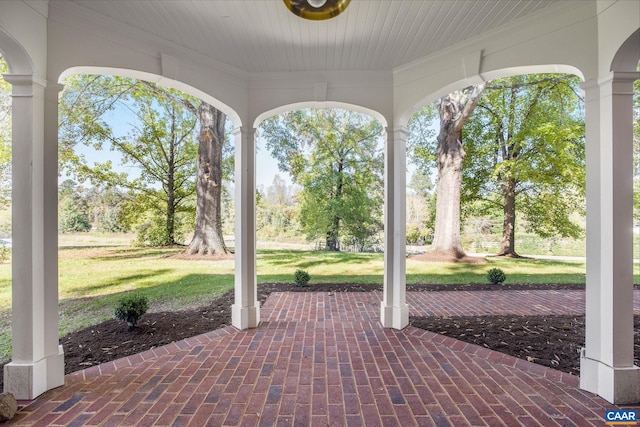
pixel 323 359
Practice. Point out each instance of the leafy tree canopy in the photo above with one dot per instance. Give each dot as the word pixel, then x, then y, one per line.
pixel 160 144
pixel 334 155
pixel 73 215
pixel 527 136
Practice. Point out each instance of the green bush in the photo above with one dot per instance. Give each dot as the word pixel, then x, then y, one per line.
pixel 5 252
pixel 73 215
pixel 301 278
pixel 413 234
pixel 496 276
pixel 152 234
pixel 131 307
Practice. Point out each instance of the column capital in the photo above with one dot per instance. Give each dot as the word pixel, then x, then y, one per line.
pixel 240 130
pixel 589 84
pixel 619 76
pixel 401 131
pixel 24 80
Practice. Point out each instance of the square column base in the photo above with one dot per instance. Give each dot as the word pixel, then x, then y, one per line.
pixel 29 380
pixel 620 386
pixel 245 317
pixel 396 317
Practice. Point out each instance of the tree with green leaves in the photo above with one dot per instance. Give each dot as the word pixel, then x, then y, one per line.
pixel 212 168
pixel 334 155
pixel 107 208
pixel 420 208
pixel 448 154
pixel 526 153
pixel 88 101
pixel 161 145
pixel 276 212
pixel 73 208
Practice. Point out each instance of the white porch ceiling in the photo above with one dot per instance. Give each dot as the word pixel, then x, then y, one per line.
pixel 263 36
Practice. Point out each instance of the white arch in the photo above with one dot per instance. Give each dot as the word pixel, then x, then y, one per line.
pixel 403 120
pixel 159 80
pixel 18 61
pixel 315 104
pixel 628 56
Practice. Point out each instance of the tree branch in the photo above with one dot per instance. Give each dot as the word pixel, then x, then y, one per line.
pixel 165 94
pixel 469 106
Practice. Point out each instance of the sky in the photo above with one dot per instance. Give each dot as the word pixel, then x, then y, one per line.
pixel 122 121
pixel 266 166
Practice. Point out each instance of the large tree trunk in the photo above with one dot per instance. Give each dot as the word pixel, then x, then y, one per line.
pixel 332 236
pixel 171 190
pixel 207 238
pixel 446 239
pixel 455 109
pixel 508 245
pixel 171 216
pixel 332 242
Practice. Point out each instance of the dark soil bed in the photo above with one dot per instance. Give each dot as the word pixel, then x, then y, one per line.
pixel 552 341
pixel 548 340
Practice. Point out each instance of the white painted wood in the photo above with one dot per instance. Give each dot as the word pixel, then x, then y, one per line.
pixel 607 361
pixel 37 362
pixel 252 58
pixel 245 312
pixel 368 35
pixel 394 312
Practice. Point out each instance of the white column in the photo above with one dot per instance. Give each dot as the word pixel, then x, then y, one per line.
pixel 245 312
pixel 37 363
pixel 606 363
pixel 394 311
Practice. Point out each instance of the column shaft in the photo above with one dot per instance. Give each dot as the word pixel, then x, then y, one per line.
pixel 245 310
pixel 37 361
pixel 394 311
pixel 607 359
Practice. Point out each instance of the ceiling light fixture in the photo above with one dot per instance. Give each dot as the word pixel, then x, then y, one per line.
pixel 317 10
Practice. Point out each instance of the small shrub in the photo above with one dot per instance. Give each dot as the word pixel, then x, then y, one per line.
pixel 153 233
pixel 496 276
pixel 301 278
pixel 5 252
pixel 413 234
pixel 131 307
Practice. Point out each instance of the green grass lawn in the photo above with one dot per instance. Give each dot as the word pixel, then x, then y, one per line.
pixel 91 279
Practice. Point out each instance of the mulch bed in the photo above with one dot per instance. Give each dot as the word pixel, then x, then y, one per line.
pixel 552 341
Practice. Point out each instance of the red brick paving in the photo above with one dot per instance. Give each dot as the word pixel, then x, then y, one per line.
pixel 323 359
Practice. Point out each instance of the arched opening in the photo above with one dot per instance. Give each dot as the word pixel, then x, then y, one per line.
pixel 496 132
pixel 134 148
pixel 522 171
pixel 320 183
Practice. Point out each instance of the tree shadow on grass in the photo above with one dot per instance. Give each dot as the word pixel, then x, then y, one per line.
pixel 190 289
pixel 136 254
pixel 119 281
pixel 308 259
